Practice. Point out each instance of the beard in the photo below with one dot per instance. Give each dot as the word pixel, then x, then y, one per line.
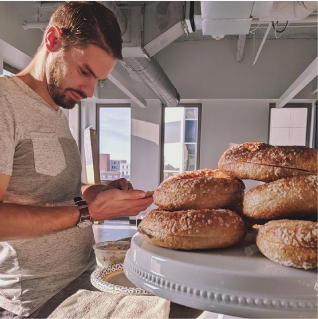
pixel 54 86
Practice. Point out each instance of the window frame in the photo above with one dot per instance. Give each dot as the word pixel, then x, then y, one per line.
pixel 78 137
pixel 315 130
pixel 185 105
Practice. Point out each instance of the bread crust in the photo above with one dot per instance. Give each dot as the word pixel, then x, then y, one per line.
pixel 200 189
pixel 289 242
pixel 284 198
pixel 192 229
pixel 264 162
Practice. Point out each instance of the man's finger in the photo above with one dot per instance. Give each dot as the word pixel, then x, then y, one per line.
pixel 149 193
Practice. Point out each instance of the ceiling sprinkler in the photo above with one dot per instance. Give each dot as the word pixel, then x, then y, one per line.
pixel 217 37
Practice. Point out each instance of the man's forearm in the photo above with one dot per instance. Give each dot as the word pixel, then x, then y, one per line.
pixel 20 221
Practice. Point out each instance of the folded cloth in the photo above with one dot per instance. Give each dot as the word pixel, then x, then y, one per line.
pixel 96 305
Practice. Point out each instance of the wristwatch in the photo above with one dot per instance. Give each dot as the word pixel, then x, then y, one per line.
pixel 84 218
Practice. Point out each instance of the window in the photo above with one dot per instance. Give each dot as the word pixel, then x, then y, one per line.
pixel 290 125
pixel 181 140
pixel 6 72
pixel 9 70
pixel 114 132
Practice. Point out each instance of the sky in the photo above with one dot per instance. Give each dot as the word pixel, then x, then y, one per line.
pixel 115 130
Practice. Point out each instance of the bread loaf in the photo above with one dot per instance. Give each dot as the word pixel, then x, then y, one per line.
pixel 205 188
pixel 284 198
pixel 264 162
pixel 192 229
pixel 289 242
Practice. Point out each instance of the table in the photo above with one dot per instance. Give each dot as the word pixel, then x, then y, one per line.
pixel 105 232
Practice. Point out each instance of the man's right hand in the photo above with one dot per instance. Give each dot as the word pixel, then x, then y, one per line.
pixel 114 203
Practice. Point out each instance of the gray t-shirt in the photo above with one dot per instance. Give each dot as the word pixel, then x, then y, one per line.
pixel 39 153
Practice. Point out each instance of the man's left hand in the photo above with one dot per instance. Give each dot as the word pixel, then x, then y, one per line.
pixel 121 184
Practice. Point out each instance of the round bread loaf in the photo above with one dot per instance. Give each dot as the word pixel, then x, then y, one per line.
pixel 289 242
pixel 192 229
pixel 264 162
pixel 284 198
pixel 205 188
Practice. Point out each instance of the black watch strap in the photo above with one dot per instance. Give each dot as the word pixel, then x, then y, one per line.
pixel 84 212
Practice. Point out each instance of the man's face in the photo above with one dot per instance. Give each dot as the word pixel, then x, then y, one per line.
pixel 72 74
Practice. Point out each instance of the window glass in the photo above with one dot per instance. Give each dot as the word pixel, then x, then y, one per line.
pixel 180 149
pixel 114 128
pixel 190 132
pixel 6 72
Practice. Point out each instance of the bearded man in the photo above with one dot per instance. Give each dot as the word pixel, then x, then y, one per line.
pixel 45 238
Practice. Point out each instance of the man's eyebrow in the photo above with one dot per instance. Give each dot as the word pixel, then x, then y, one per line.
pixel 86 66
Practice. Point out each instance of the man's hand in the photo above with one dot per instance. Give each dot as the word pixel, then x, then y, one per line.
pixel 118 203
pixel 90 193
pixel 121 183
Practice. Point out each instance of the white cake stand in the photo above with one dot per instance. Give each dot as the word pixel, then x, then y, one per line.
pixel 237 281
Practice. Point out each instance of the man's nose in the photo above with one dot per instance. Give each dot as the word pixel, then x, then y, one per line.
pixel 89 88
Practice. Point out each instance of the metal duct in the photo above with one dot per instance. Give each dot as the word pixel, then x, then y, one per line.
pixel 152 74
pixel 147 69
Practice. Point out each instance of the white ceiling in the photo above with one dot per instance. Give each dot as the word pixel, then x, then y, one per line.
pixel 29 11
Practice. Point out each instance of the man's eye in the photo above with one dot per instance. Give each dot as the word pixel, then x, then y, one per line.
pixel 84 72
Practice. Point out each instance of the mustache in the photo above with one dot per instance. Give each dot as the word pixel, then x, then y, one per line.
pixel 80 93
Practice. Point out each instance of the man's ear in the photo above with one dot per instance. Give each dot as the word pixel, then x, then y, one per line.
pixel 53 39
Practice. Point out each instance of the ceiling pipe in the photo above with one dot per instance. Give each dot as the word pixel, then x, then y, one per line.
pixel 152 74
pixel 34 25
pixel 48 5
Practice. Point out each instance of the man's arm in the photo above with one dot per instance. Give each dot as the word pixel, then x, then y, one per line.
pixel 4 182
pixel 21 221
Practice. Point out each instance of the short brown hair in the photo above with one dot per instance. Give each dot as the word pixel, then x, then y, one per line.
pixel 88 22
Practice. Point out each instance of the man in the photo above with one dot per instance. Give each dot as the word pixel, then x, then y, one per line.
pixel 41 247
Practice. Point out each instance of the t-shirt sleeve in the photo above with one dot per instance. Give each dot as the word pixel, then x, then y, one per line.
pixel 7 136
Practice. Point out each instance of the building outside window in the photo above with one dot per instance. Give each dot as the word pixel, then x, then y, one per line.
pixel 181 140
pixel 114 132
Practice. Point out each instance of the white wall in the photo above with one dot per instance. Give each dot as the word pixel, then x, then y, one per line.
pixel 228 122
pixel 145 145
pixel 12 15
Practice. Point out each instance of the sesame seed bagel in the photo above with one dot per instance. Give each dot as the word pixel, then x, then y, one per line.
pixel 284 198
pixel 289 242
pixel 264 162
pixel 192 229
pixel 205 188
